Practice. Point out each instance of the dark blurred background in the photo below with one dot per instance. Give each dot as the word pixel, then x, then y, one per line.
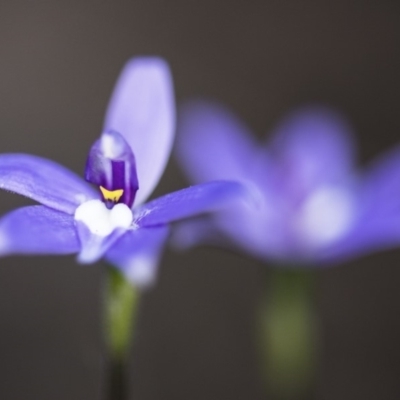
pixel 196 333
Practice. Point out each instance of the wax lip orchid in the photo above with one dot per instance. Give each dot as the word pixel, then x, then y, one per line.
pixel 312 207
pixel 107 217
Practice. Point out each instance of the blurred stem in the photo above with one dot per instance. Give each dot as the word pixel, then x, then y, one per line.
pixel 289 334
pixel 121 301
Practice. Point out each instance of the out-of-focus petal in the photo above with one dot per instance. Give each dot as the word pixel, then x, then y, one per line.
pixel 378 225
pixel 142 109
pixel 197 231
pixel 251 226
pixel 137 254
pixel 44 181
pixel 37 230
pixel 382 185
pixel 368 236
pixel 257 228
pixel 195 200
pixel 213 144
pixel 313 146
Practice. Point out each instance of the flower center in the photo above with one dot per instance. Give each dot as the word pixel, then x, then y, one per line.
pixel 326 215
pixel 111 167
pixel 100 220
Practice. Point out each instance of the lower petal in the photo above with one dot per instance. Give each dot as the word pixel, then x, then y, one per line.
pixel 137 254
pixel 37 230
pixel 93 246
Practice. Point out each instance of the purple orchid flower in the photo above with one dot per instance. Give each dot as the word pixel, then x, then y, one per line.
pixel 312 207
pixel 124 166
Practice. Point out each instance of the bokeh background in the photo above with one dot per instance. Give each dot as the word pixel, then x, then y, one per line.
pixel 197 327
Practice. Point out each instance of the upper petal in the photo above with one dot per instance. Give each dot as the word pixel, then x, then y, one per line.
pixel 195 200
pixel 313 146
pixel 142 109
pixel 37 230
pixel 213 144
pixel 44 181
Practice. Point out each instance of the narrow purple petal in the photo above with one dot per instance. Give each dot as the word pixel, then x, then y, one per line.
pixel 313 146
pixel 213 144
pixel 142 109
pixel 111 165
pixel 44 181
pixel 37 230
pixel 195 200
pixel 137 254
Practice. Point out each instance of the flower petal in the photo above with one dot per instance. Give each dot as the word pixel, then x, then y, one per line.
pixel 313 146
pixel 213 144
pixel 137 254
pixel 197 231
pixel 142 109
pixel 368 236
pixel 93 246
pixel 378 225
pixel 199 199
pixel 44 181
pixel 382 184
pixel 37 230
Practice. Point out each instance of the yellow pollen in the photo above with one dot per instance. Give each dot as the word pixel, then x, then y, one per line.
pixel 112 195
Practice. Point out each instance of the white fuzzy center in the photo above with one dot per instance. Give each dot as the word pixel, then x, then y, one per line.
pixel 326 215
pixel 100 220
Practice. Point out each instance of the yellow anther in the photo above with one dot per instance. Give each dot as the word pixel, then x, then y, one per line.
pixel 112 195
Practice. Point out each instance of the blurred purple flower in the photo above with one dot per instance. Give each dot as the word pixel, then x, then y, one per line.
pixel 312 205
pixel 125 164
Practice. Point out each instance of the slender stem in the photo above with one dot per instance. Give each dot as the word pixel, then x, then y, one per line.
pixel 117 389
pixel 289 334
pixel 121 300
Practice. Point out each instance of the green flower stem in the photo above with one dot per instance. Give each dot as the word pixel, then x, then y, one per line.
pixel 121 301
pixel 289 334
